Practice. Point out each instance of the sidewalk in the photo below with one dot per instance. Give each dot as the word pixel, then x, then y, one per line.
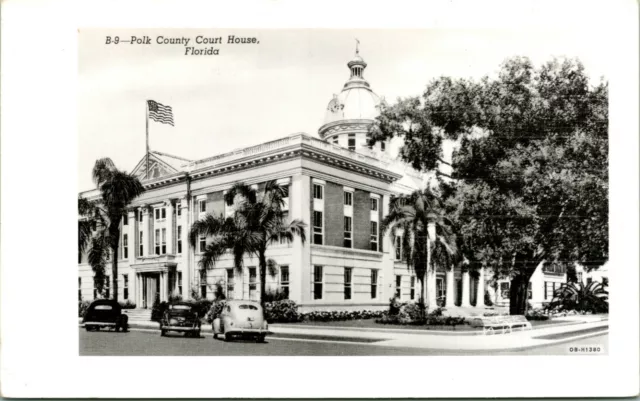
pixel 449 341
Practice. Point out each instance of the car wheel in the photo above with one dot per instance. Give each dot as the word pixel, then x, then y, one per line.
pixel 215 336
pixel 227 337
pixel 163 332
pixel 260 338
pixel 117 328
pixel 88 328
pixel 197 334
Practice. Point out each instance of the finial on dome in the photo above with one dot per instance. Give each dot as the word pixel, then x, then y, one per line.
pixel 357 44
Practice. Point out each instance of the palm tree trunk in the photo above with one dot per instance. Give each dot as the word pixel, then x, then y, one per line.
pixel 263 276
pixel 431 281
pixel 114 272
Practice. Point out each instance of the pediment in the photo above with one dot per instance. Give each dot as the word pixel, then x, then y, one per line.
pixel 157 168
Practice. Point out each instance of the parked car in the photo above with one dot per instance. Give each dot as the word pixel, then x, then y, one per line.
pixel 105 313
pixel 241 318
pixel 181 316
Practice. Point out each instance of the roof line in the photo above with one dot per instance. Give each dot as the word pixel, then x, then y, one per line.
pixel 168 155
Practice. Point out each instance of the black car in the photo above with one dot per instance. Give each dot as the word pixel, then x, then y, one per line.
pixel 182 317
pixel 105 313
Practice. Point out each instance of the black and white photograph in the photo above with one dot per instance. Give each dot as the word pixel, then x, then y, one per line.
pixel 345 192
pixel 364 198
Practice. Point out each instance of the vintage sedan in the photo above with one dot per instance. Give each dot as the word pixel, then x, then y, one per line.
pixel 105 313
pixel 241 318
pixel 182 317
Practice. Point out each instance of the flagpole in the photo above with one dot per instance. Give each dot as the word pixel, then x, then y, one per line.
pixel 147 129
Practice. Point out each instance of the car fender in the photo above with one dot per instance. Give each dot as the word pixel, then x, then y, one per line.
pixel 216 326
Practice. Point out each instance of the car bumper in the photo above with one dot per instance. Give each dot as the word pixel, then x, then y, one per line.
pixel 99 324
pixel 180 328
pixel 246 331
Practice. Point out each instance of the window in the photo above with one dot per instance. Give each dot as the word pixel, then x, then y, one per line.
pixel 230 283
pixel 141 244
pixel 179 209
pixel 179 239
pixel 95 289
pixel 374 236
pixel 369 139
pixel 125 286
pixel 164 241
pixel 374 284
pixel 180 283
pixel 335 140
pixel 253 283
pixel 347 232
pixel 79 288
pixel 317 227
pixel 202 206
pixel 579 276
pixel 202 243
pixel 504 290
pixel 284 281
pixel 351 143
pixel 285 190
pixel 317 282
pixel 157 242
pixel 317 191
pixel 399 287
pixel 107 287
pixel 550 288
pixel 125 246
pixel 440 289
pixel 157 214
pixel 203 283
pixel 398 246
pixel 382 146
pixel 413 288
pixel 140 215
pixel 374 204
pixel 163 213
pixel 589 280
pixel 348 198
pixel 347 282
pixel 125 220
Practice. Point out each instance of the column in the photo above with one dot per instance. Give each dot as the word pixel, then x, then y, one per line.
pixel 163 281
pixel 465 289
pixel 169 226
pixel 186 249
pixel 132 243
pixel 300 270
pixel 138 284
pixel 431 270
pixel 145 231
pixel 451 297
pixel 480 289
pixel 388 257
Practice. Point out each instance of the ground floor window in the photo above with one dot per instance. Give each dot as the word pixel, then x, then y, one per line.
pixel 253 283
pixel 141 242
pixel 347 282
pixel 179 239
pixel 317 282
pixel 107 287
pixel 374 236
pixel 374 284
pixel 529 291
pixel 125 286
pixel 230 283
pixel 413 287
pixel 180 283
pixel 317 227
pixel 504 290
pixel 284 281
pixel 440 289
pixel 79 288
pixel 203 283
pixel 550 288
pixel 202 243
pixel 95 289
pixel 347 232
pixel 398 287
pixel 125 246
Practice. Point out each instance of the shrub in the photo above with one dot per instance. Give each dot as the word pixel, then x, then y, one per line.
pixel 333 316
pixel 536 314
pixel 82 307
pixel 274 296
pixel 215 310
pixel 202 307
pixel 158 310
pixel 487 299
pixel 127 304
pixel 175 298
pixel 590 298
pixel 394 306
pixel 283 311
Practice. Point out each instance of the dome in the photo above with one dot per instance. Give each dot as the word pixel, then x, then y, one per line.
pixel 356 101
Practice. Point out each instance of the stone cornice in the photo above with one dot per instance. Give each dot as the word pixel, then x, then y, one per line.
pixel 352 254
pixel 341 126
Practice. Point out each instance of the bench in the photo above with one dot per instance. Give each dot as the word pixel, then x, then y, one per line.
pixel 501 324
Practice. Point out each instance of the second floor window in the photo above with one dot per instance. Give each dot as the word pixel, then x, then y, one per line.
pixel 374 236
pixel 230 283
pixel 398 247
pixel 374 204
pixel 317 227
pixel 141 242
pixel 202 206
pixel 157 242
pixel 374 284
pixel 179 239
pixel 347 282
pixel 202 243
pixel 253 284
pixel 125 246
pixel 347 232
pixel 317 191
pixel 348 198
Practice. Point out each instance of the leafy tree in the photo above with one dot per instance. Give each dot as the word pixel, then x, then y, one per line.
pixel 258 221
pixel 584 298
pixel 99 229
pixel 411 215
pixel 530 175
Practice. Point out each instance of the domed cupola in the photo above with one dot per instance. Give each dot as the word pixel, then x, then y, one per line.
pixel 350 113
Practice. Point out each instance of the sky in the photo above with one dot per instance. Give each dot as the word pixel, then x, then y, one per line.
pixel 253 93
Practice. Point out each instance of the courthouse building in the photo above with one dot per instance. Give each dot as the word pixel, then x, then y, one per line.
pixel 336 184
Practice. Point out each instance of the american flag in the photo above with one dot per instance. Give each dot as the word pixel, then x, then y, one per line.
pixel 159 112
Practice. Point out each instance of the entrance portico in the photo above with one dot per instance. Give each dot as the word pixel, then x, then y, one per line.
pixel 155 278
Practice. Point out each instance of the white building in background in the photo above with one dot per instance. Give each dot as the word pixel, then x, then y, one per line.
pixel 337 185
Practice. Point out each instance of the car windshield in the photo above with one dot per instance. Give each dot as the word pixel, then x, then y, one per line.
pixel 103 307
pixel 252 307
pixel 180 307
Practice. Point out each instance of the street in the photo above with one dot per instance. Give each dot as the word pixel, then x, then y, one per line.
pixel 149 343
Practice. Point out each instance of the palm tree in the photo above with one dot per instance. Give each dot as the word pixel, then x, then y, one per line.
pixel 413 214
pixel 258 221
pixel 117 189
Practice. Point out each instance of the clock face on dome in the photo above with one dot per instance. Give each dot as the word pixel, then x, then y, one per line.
pixel 335 106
